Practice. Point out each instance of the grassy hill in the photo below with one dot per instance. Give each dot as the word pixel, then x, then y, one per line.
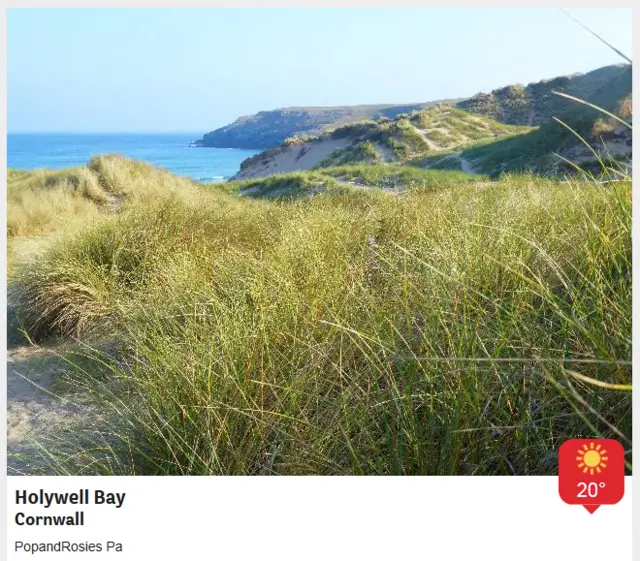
pixel 446 137
pixel 530 105
pixel 509 129
pixel 394 179
pixel 268 129
pixel 536 103
pixel 554 147
pixel 430 131
pixel 393 320
pixel 608 88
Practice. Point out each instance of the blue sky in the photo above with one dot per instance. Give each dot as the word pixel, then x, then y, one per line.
pixel 80 70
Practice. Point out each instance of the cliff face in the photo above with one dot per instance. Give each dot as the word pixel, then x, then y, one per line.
pixel 268 129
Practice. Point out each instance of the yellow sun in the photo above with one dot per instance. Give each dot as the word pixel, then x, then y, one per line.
pixel 592 458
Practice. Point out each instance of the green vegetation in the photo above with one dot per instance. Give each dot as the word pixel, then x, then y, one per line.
pixel 530 105
pixel 405 177
pixel 534 151
pixel 408 136
pixel 465 327
pixel 511 129
pixel 536 103
pixel 44 201
pixel 403 139
pixel 451 126
pixel 363 152
pixel 268 129
pixel 447 160
pixel 529 152
pixel 418 137
pixel 288 185
pixel 342 179
pixel 606 88
pixel 40 200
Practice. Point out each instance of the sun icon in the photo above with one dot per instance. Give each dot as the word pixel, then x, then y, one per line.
pixel 592 458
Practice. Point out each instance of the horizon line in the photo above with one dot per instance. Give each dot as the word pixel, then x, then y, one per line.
pixel 106 132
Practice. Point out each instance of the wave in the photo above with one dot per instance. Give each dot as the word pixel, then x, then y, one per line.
pixel 216 178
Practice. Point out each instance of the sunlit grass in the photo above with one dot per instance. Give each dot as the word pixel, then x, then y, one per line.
pixel 348 333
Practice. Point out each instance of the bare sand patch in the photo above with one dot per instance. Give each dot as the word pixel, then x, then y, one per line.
pixel 298 157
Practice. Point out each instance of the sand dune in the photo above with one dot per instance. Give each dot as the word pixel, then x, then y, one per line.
pixel 296 157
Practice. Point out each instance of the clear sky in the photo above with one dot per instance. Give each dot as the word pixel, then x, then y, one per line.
pixel 117 70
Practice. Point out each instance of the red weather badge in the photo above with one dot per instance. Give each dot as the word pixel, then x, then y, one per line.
pixel 591 472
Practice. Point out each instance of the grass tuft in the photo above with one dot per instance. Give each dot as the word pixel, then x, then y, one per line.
pixel 466 327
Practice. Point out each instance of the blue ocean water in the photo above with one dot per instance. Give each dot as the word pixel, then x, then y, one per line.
pixel 170 151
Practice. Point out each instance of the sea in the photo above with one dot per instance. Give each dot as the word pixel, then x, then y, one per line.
pixel 170 151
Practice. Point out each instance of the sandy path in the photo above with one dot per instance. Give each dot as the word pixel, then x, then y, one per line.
pixel 386 154
pixel 34 415
pixel 430 143
pixel 46 411
pixel 38 412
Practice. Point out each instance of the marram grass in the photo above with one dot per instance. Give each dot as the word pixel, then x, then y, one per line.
pixel 468 328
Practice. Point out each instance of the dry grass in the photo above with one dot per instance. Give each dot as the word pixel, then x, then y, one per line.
pixel 45 201
pixel 348 333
